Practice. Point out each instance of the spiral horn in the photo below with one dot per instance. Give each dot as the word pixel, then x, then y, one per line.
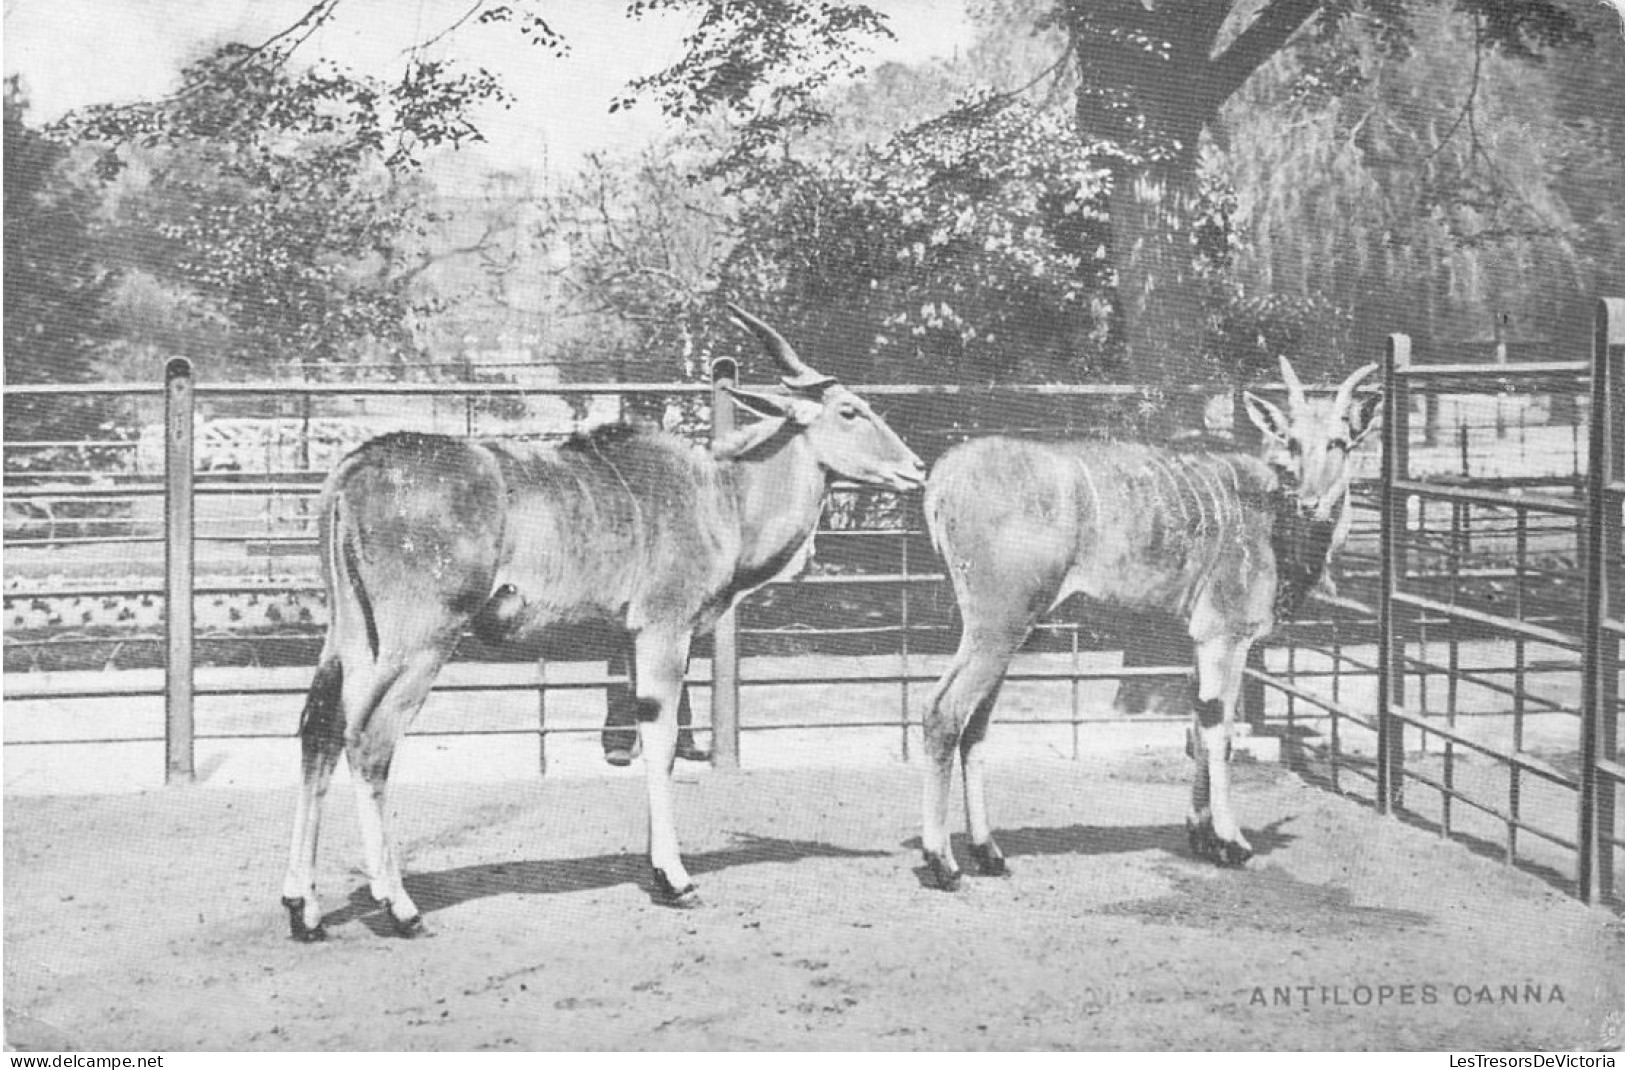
pixel 798 375
pixel 1345 393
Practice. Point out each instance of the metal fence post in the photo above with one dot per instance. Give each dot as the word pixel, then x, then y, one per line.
pixel 178 562
pixel 725 639
pixel 541 716
pixel 1599 672
pixel 1390 644
pixel 902 649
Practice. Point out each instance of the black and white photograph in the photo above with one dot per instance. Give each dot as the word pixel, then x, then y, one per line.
pixel 813 525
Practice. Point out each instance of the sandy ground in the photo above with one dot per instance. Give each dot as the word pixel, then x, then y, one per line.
pixel 150 920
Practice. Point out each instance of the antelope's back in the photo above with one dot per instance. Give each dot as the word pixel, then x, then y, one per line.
pixel 1130 524
pixel 420 514
pixel 616 522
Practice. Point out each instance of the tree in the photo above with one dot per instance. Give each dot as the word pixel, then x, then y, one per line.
pixel 1589 176
pixel 1422 197
pixel 1148 79
pixel 272 203
pixel 637 246
pixel 953 252
pixel 283 199
pixel 1151 76
pixel 56 289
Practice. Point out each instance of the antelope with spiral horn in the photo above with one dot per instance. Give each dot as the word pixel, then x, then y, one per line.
pixel 423 536
pixel 1230 543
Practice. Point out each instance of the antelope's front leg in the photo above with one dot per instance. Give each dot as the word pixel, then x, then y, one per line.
pixel 661 660
pixel 1212 826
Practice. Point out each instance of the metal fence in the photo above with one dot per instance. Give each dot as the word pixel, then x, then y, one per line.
pixel 1470 675
pixel 1471 652
pixel 206 506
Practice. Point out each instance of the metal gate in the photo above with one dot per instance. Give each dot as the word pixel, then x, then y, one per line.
pixel 1468 673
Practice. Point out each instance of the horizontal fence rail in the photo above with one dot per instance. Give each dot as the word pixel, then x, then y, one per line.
pixel 293 488
pixel 1506 608
pixel 1490 521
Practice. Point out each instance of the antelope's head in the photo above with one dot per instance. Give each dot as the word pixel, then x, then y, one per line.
pixel 847 437
pixel 1309 445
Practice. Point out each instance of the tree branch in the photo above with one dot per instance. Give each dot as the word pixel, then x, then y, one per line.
pixel 419 48
pixel 1268 34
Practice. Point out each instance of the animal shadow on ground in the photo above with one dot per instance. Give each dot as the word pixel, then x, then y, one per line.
pixel 1100 840
pixel 554 876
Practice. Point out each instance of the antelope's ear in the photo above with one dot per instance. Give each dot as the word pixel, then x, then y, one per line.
pixel 1266 417
pixel 1363 416
pixel 776 406
pixel 741 443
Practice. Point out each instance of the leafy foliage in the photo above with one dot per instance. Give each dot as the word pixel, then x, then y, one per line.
pixel 971 249
pixel 284 203
pixel 56 288
pixel 764 63
pixel 1422 199
pixel 280 203
pixel 1148 80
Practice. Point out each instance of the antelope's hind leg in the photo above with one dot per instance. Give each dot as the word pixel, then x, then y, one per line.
pixel 345 689
pixel 371 751
pixel 321 738
pixel 956 722
pixel 1212 828
pixel 972 755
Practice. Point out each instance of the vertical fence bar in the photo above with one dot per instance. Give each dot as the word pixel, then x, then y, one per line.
pixel 725 640
pixel 1612 593
pixel 902 648
pixel 178 562
pixel 1074 693
pixel 1390 644
pixel 1599 712
pixel 1520 681
pixel 541 716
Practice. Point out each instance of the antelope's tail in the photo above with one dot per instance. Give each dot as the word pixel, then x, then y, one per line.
pixel 348 601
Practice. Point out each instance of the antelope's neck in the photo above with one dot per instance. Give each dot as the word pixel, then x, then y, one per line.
pixel 781 495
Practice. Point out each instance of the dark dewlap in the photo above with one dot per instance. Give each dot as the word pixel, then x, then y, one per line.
pixel 1302 546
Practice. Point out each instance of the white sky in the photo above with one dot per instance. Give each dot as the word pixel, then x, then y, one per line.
pixel 76 52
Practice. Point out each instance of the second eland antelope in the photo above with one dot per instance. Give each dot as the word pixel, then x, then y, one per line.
pixel 1230 543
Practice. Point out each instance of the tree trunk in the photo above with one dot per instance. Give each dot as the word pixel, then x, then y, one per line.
pixel 1150 78
pixel 1152 210
pixel 1153 216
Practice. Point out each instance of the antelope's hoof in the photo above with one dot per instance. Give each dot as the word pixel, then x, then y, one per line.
pixel 408 929
pixel 989 862
pixel 302 933
pixel 685 898
pixel 944 874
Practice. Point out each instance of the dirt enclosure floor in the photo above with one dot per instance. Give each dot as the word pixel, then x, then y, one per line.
pixel 151 921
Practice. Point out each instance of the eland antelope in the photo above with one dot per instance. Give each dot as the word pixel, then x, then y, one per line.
pixel 1230 543
pixel 422 536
